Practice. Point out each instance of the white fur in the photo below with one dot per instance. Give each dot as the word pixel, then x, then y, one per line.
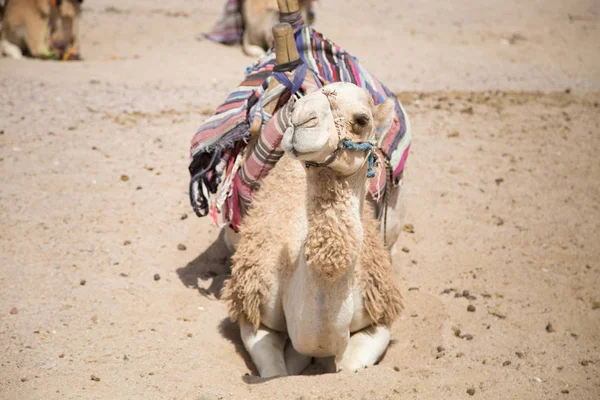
pixel 11 50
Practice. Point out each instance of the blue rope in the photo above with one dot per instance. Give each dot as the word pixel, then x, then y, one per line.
pixel 363 146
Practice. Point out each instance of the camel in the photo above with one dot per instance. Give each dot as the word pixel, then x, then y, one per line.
pixel 41 28
pixel 311 276
pixel 259 16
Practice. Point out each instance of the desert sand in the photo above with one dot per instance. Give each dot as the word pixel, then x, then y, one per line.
pixel 109 283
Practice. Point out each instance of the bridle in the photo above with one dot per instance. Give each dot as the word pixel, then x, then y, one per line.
pixel 343 142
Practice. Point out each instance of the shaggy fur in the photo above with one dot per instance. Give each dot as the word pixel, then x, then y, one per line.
pixel 310 265
pixel 262 252
pixel 333 235
pixel 381 296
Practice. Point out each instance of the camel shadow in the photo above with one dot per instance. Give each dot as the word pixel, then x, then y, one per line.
pixel 208 272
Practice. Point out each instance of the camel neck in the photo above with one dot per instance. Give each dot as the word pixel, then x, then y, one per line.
pixel 334 211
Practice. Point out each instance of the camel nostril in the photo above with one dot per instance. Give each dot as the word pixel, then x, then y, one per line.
pixel 309 121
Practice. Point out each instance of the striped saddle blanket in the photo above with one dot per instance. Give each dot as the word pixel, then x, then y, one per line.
pixel 224 177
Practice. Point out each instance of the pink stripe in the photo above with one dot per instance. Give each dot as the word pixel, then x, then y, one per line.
pixel 356 75
pixel 390 135
pixel 254 168
pixel 210 133
pixel 271 134
pixel 229 106
pixel 400 166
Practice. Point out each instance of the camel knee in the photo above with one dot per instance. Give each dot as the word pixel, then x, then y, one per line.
pixel 365 348
pixel 266 348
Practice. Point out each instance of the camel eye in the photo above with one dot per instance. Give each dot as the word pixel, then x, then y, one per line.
pixel 361 120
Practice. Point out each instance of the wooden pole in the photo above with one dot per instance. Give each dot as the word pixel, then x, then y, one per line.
pixel 285 45
pixel 285 52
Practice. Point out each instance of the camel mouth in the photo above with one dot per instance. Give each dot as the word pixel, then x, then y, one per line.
pixel 300 155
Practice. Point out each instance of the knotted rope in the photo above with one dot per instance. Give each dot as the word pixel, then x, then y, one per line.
pixel 363 146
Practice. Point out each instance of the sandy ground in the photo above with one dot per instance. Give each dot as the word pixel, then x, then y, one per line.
pixel 503 194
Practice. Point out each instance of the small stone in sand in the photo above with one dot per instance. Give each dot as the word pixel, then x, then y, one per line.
pixel 506 363
pixel 24 379
pixel 408 228
pixel 454 134
pixel 62 355
pixel 14 311
pixel 396 369
pixel 181 247
pixel 82 282
pixel 468 336
pixel 183 216
pixel 95 378
pixel 471 308
pixel 125 357
pixel 466 293
pixel 127 243
pixel 124 178
pixel 470 391
pixel 519 354
pixel 446 291
pixel 549 328
pixel 440 349
pixel 499 180
pixel 498 315
pixel 189 335
pixel 410 289
pixel 565 391
pixel 585 363
pixel 406 250
pixel 156 277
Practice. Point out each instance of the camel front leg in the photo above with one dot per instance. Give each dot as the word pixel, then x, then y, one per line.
pixel 266 349
pixel 295 362
pixel 37 37
pixel 249 48
pixel 365 348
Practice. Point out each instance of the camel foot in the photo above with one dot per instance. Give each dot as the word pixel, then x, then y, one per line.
pixel 365 348
pixel 11 50
pixel 253 50
pixel 266 349
pixel 295 362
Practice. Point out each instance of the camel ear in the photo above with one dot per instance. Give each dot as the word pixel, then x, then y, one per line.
pixel 384 114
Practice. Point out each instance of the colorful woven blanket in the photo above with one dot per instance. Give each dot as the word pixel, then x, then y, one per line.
pixel 224 177
pixel 230 26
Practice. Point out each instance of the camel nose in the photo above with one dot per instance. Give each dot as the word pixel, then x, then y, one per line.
pixel 306 111
pixel 305 120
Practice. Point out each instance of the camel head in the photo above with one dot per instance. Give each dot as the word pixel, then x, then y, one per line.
pixel 64 23
pixel 324 122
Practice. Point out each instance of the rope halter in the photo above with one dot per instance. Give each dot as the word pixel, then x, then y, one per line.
pixel 343 142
